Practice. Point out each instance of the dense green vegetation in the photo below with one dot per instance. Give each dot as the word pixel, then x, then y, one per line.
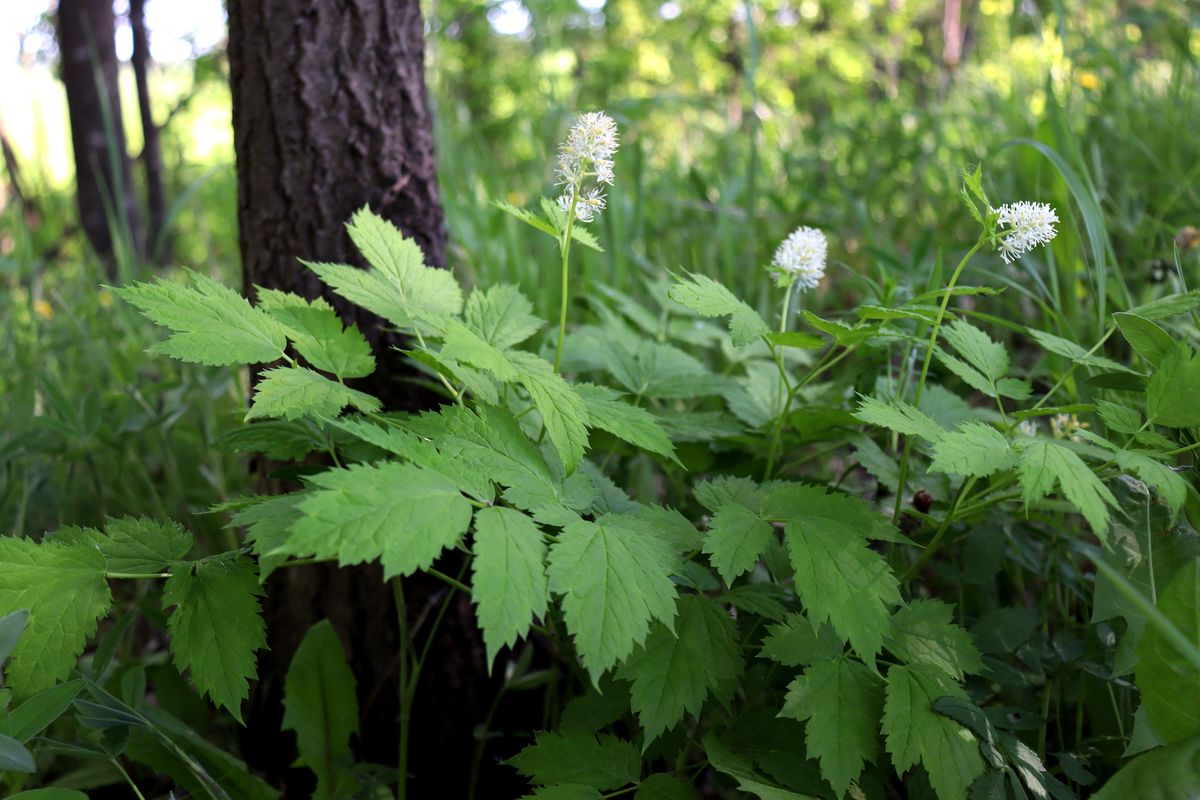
pixel 927 528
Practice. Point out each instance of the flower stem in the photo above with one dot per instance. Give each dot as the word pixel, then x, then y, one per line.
pixel 565 247
pixel 933 334
pixel 785 391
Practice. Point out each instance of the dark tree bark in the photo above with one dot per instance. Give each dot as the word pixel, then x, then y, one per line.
pixel 104 186
pixel 330 114
pixel 156 199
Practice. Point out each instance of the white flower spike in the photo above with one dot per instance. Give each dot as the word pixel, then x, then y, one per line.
pixel 1023 226
pixel 800 258
pixel 587 155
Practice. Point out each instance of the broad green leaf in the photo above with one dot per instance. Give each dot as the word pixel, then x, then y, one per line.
pixel 735 540
pixel 462 345
pixel 14 757
pixel 604 762
pixel 277 439
pixel 1044 463
pixel 917 733
pixel 501 316
pixel 1164 675
pixel 709 298
pixel 665 787
pixel 216 626
pixel 794 642
pixel 985 355
pixel 898 416
pixel 12 625
pixel 842 581
pixel 615 577
pixel 726 762
pixel 661 371
pixel 320 706
pixel 294 392
pixel 795 339
pixel 723 490
pixel 842 701
pixel 1168 483
pixel 673 527
pixel 837 513
pixel 968 374
pixel 565 791
pixel 1166 773
pixel 674 672
pixel 1121 419
pixel 1146 337
pixel 758 397
pixel 633 424
pixel 508 576
pixel 35 714
pixel 923 633
pixel 1170 306
pixel 209 323
pixel 401 514
pixel 563 412
pixel 62 586
pixel 141 545
pixel 1173 388
pixel 268 523
pixel 316 329
pixel 763 599
pixel 972 448
pixel 1078 355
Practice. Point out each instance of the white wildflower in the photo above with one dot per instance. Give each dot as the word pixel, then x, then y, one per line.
pixel 800 258
pixel 1028 427
pixel 1024 226
pixel 1063 426
pixel 586 157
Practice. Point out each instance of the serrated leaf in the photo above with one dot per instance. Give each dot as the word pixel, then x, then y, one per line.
pixel 528 217
pixel 62 586
pixel 794 642
pixel 726 762
pixel 985 355
pixel 1068 349
pixel 674 672
pixel 917 733
pixel 835 512
pixel 1157 775
pixel 633 424
pixel 709 298
pixel 556 757
pixel 968 374
pixel 661 786
pixel 268 523
pixel 763 599
pixel 672 527
pixel 462 345
pixel 1170 306
pixel 1044 463
pixel 1173 388
pixel 294 392
pixel 401 514
pixel 724 490
pixel 1121 419
pixel 841 700
pixel 1146 337
pixel 923 632
pixel 320 706
pixel 758 397
pixel 1164 674
pixel 898 416
pixel 563 412
pixel 216 626
pixel 615 577
pixel 972 448
pixel 138 544
pixel 1170 485
pixel 209 323
pixel 508 576
pixel 277 439
pixel 317 331
pixel 735 540
pixel 501 315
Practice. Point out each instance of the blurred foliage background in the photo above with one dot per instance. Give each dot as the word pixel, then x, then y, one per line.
pixel 739 121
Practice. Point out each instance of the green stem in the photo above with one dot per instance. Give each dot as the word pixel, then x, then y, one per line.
pixel 1071 370
pixel 137 575
pixel 405 709
pixel 936 542
pixel 565 247
pixel 933 334
pixel 784 389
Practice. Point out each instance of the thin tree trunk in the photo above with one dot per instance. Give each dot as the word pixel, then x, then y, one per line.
pixel 330 114
pixel 104 190
pixel 157 246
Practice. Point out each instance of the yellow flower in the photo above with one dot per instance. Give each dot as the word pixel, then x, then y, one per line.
pixel 1088 80
pixel 43 309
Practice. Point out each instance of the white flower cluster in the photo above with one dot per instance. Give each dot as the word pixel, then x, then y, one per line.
pixel 800 258
pixel 587 155
pixel 1026 225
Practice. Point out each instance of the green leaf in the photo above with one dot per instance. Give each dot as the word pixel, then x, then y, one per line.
pixel 461 344
pixel 563 412
pixel 216 626
pixel 141 545
pixel 49 794
pixel 674 672
pixel 836 512
pixel 1076 354
pixel 898 416
pixel 672 527
pixel 501 316
pixel 795 642
pixel 294 392
pixel 528 217
pixel 1149 340
pixel 1173 388
pixel 842 701
pixel 565 791
pixel 604 762
pixel 628 422
pixel 1168 483
pixel 35 714
pixel 321 708
pixel 709 298
pixel 758 397
pixel 1170 306
pixel 843 581
pixel 1121 419
pixel 14 757
pixel 209 323
pixel 1163 673
pixel 1166 773
pixel 968 374
pixel 795 339
pixel 917 733
pixel 923 633
pixel 268 522
pixel 316 329
pixel 972 448
pixel 985 355
pixel 407 294
pixel 1043 463
pixel 12 625
pixel 723 760
pixel 661 786
pixel 62 586
pixel 401 514
pixel 723 490
pixel 508 576
pixel 735 540
pixel 615 577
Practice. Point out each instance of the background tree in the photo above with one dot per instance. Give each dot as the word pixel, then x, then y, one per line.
pixel 151 157
pixel 104 189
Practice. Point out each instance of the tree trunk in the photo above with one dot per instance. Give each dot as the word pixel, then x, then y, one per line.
pixel 104 190
pixel 156 200
pixel 330 114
